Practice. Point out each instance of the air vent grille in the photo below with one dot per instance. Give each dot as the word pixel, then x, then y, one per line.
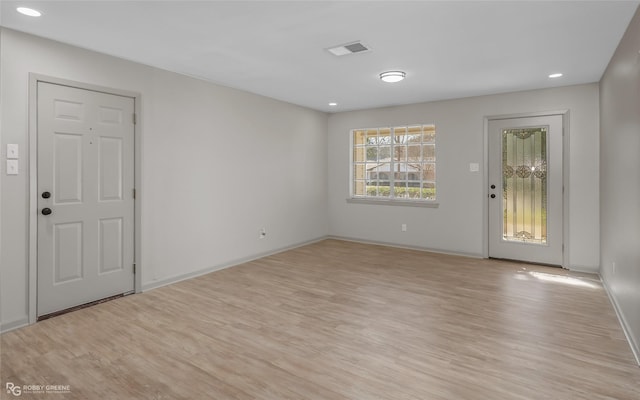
pixel 349 48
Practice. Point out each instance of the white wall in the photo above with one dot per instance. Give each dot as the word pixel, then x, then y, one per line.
pixel 457 225
pixel 620 177
pixel 217 164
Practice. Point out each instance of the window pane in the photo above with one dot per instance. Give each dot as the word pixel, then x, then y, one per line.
pixel 372 153
pixel 372 190
pixel 414 192
pixel 429 172
pixel 400 130
pixel 359 171
pixel 414 134
pixel 400 192
pixel 400 153
pixel 414 175
pixel 384 153
pixel 429 152
pixel 428 191
pixel 359 188
pixel 385 136
pixel 383 191
pixel 414 153
pixel 429 135
pixel 372 136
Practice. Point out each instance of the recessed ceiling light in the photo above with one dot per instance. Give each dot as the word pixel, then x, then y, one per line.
pixel 392 76
pixel 556 75
pixel 332 104
pixel 29 11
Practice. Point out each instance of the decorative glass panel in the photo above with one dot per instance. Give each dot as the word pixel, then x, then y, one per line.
pixel 524 185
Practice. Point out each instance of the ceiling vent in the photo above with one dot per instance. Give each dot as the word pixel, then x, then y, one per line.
pixel 349 48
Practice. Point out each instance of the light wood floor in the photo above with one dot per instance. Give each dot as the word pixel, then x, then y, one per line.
pixel 339 320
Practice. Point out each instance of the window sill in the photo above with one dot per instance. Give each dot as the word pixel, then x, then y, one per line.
pixel 393 202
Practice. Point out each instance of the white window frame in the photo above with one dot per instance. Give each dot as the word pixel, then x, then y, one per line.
pixel 394 201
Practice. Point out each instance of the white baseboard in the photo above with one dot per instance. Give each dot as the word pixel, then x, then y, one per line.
pixel 178 278
pixel 401 246
pixel 15 324
pixel 583 269
pixel 635 347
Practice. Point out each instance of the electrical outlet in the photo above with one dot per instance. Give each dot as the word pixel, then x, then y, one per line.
pixel 262 233
pixel 403 227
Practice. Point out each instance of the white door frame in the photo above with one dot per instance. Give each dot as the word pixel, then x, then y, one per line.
pixel 33 180
pixel 565 178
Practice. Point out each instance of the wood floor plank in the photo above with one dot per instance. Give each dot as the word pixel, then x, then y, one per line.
pixel 339 320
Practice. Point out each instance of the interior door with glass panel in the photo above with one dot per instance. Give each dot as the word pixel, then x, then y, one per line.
pixel 525 189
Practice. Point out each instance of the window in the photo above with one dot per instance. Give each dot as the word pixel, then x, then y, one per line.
pixel 394 163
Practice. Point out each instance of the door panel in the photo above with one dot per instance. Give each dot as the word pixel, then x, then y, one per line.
pixel 110 169
pixel 67 244
pixel 85 161
pixel 67 166
pixel 111 237
pixel 525 178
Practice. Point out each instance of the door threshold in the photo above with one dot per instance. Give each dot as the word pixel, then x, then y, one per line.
pixel 81 306
pixel 527 262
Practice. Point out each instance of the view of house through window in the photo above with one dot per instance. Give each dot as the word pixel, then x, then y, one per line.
pixel 397 162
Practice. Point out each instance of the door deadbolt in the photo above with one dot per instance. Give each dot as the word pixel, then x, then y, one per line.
pixel 46 195
pixel 493 186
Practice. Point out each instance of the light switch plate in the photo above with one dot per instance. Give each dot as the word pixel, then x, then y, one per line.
pixel 12 167
pixel 474 167
pixel 12 151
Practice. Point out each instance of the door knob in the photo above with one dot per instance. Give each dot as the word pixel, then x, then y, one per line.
pixel 493 196
pixel 46 195
pixel 493 186
pixel 46 211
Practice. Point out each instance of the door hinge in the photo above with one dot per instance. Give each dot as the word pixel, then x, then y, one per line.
pixel 134 269
pixel 134 193
pixel 135 118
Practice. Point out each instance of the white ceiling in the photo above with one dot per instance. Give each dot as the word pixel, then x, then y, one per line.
pixel 449 49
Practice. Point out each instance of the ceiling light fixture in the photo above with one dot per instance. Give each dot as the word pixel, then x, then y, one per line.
pixel 556 75
pixel 392 76
pixel 332 104
pixel 29 11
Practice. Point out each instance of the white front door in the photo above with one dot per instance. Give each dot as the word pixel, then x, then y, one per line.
pixel 526 189
pixel 85 196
